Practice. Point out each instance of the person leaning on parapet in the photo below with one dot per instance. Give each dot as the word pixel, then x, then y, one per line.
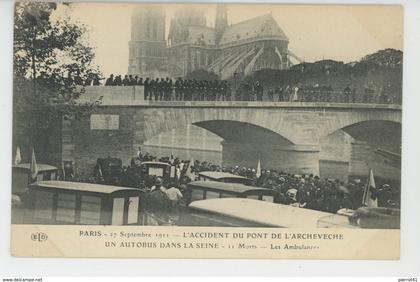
pixel 167 89
pixel 152 89
pixel 258 90
pixel 295 97
pixel 110 80
pixel 131 80
pixel 96 80
pixel 270 94
pixel 146 88
pixel 222 89
pixel 280 93
pixel 228 91
pixel 115 80
pixel 347 94
pixel 156 89
pixel 160 86
pixel 126 81
pixel 177 86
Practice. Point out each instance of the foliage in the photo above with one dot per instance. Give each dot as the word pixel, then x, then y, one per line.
pixel 381 68
pixel 50 54
pixel 387 57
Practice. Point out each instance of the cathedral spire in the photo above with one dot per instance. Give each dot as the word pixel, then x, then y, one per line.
pixel 221 21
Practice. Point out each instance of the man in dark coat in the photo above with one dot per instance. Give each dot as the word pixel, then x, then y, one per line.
pixel 154 89
pixel 258 90
pixel 126 81
pixel 110 80
pixel 118 80
pixel 147 89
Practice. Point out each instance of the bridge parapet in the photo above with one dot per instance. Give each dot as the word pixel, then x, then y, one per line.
pixel 134 96
pixel 112 95
pixel 283 133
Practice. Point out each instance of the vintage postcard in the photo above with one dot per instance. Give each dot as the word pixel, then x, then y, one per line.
pixel 207 130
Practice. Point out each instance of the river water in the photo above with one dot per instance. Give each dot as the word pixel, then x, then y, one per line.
pixel 195 143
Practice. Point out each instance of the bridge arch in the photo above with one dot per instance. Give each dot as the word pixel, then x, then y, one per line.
pixel 236 125
pixel 350 120
pixel 367 137
pixel 243 132
pixel 375 131
pixel 237 132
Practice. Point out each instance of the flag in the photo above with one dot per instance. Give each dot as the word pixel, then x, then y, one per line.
pixel 139 152
pixel 190 173
pixel 258 171
pixel 181 168
pixel 34 166
pixel 178 172
pixel 368 200
pixel 172 159
pixel 18 157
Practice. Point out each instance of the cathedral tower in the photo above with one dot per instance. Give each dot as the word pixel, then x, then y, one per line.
pixel 147 46
pixel 221 22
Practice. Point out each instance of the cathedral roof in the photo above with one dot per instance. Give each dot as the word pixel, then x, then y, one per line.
pixel 201 35
pixel 262 26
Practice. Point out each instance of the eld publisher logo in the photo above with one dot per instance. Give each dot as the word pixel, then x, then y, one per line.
pixel 39 237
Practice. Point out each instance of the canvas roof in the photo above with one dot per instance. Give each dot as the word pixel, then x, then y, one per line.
pixel 261 212
pixel 80 186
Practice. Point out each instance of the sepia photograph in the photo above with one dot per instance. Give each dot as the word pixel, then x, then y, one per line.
pixel 177 116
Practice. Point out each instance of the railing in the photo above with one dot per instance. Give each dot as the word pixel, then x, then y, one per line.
pixel 126 95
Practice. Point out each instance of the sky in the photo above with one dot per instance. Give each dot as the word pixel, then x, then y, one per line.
pixel 339 32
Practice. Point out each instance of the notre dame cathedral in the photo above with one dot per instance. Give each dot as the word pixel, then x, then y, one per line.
pixel 227 50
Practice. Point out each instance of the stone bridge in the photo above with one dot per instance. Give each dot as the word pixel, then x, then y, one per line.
pixel 288 123
pixel 285 135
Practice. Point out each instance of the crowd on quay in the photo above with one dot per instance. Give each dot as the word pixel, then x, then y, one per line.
pixel 167 89
pixel 309 191
pixel 306 191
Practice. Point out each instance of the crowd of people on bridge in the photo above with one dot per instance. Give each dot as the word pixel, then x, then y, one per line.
pixel 168 89
pixel 325 93
pixel 165 89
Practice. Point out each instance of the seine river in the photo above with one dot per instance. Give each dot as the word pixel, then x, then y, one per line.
pixel 199 144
